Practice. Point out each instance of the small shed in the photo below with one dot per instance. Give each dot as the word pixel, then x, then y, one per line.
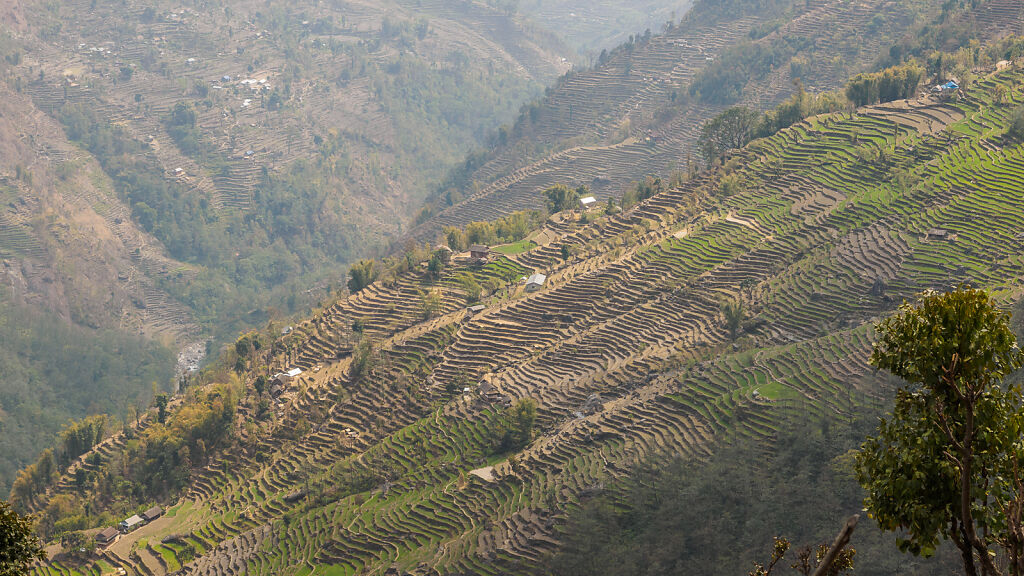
pixel 152 514
pixel 535 282
pixel 587 203
pixel 473 310
pixel 283 378
pixel 131 523
pixel 107 536
pixel 479 252
pixel 937 234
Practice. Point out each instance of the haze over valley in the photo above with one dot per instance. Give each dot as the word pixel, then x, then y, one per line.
pixel 511 287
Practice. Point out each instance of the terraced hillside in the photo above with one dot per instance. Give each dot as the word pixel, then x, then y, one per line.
pixel 593 26
pixel 637 114
pixel 350 90
pixel 116 214
pixel 385 460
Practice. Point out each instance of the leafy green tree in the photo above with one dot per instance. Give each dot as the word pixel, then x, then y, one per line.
pixel 161 401
pixel 364 359
pixel 361 275
pixel 1016 130
pixel 729 130
pixel 19 547
pixel 470 285
pixel 435 266
pixel 946 463
pixel 456 238
pixel 516 428
pixel 184 114
pixel 733 313
pixel 560 197
pixel 430 304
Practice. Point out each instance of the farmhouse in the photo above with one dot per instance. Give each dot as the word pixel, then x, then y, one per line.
pixel 131 523
pixel 535 282
pixel 107 536
pixel 476 309
pixel 937 234
pixel 479 252
pixel 152 514
pixel 587 203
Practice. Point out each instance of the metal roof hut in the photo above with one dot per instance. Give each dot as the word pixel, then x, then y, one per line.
pixel 535 282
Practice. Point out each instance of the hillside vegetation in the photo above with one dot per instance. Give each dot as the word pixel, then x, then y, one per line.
pixel 717 312
pixel 640 110
pixel 145 194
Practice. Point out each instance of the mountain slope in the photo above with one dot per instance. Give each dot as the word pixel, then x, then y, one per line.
pixel 122 218
pixel 640 112
pixel 377 459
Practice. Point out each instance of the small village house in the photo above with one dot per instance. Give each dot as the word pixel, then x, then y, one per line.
pixel 131 523
pixel 535 282
pixel 152 514
pixel 479 252
pixel 284 378
pixel 107 536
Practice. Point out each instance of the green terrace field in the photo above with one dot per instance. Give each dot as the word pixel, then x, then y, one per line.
pixel 833 223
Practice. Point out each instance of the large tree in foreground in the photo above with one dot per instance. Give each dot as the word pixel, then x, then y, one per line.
pixel 946 464
pixel 19 546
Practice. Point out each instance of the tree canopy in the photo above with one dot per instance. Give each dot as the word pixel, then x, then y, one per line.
pixel 946 463
pixel 895 83
pixel 729 130
pixel 19 546
pixel 361 275
pixel 560 197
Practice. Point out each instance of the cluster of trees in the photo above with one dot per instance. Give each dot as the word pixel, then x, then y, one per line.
pixel 560 197
pixel 511 228
pixel 725 79
pixel 894 83
pixel 166 453
pixel 514 429
pixel 181 126
pixel 739 125
pixel 76 439
pixel 644 189
pixel 154 465
pixel 362 274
